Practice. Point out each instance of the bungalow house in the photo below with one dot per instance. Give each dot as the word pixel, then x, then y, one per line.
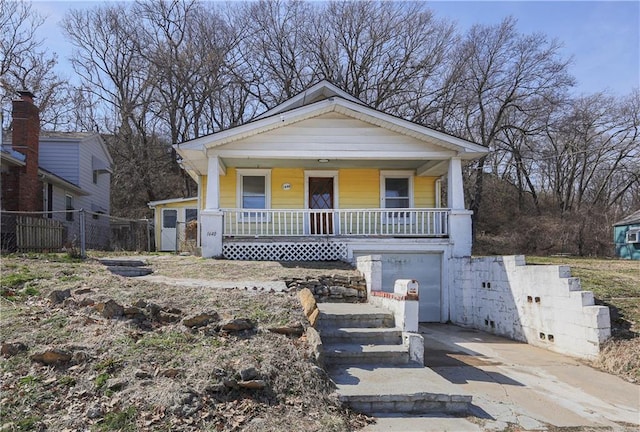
pixel 53 174
pixel 626 236
pixel 322 176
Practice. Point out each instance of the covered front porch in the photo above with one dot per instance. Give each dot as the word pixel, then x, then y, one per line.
pixel 325 168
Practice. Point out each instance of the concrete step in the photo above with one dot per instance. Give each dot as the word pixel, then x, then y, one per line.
pixel 355 354
pixel 363 336
pixel 129 271
pixel 414 403
pixel 125 262
pixel 350 315
pixel 398 389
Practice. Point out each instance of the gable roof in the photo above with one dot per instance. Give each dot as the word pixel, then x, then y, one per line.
pixel 633 218
pixel 466 149
pixel 322 90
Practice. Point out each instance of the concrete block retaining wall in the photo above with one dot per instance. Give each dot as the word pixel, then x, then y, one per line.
pixel 538 304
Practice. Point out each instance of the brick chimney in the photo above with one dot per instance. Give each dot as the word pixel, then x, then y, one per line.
pixel 25 139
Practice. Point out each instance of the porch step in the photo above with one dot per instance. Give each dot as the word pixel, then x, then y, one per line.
pixel 354 354
pixel 364 336
pixel 414 403
pixel 349 315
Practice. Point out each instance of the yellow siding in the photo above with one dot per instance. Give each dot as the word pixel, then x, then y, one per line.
pixel 228 194
pixel 287 199
pixel 424 192
pixel 359 188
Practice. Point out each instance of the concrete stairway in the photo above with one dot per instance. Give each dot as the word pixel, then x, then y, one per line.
pixel 367 360
pixel 360 334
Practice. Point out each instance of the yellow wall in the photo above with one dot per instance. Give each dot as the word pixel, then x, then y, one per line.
pixel 357 188
pixel 424 192
pixel 228 189
pixel 287 199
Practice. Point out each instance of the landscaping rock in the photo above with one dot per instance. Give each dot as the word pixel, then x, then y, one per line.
pixel 141 374
pixel 133 312
pixel 237 324
pixel 52 356
pixel 248 373
pixel 58 296
pixel 9 349
pixel 294 329
pixel 166 317
pixel 116 384
pixel 252 384
pixel 110 309
pixel 82 291
pixel 200 320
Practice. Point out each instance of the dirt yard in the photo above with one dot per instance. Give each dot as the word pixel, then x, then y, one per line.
pixel 116 353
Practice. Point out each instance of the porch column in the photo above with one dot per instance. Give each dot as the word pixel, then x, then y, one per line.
pixel 459 218
pixel 455 192
pixel 211 216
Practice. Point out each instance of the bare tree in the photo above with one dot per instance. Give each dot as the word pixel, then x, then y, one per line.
pixel 25 65
pixel 503 71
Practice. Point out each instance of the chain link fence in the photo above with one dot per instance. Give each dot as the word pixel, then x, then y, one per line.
pixel 74 231
pixel 187 237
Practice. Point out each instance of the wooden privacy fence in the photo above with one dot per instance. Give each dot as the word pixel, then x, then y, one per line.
pixel 38 234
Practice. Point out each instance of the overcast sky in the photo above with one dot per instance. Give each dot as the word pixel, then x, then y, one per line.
pixel 602 37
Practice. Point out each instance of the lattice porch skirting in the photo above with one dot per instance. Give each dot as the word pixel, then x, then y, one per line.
pixel 285 251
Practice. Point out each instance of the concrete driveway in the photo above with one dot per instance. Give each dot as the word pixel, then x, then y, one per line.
pixel 531 387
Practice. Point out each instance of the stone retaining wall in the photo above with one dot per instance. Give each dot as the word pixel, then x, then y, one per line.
pixel 333 288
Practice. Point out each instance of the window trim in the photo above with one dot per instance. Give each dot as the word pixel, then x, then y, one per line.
pixel 68 198
pixel 250 172
pixel 384 175
pixel 389 217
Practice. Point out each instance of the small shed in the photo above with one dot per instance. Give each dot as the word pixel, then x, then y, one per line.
pixel 176 224
pixel 626 236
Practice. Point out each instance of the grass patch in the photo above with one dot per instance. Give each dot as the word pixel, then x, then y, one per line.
pixel 16 280
pixel 123 421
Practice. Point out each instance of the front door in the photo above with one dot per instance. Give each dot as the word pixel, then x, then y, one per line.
pixel 168 232
pixel 321 198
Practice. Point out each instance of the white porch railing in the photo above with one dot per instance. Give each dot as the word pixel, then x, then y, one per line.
pixel 344 222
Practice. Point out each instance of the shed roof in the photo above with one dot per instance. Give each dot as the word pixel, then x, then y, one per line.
pixel 633 218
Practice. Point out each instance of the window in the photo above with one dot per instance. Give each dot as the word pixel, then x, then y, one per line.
pixel 254 194
pixel 633 236
pixel 396 192
pixel 69 207
pixel 254 187
pixel 47 194
pixel 190 214
pixel 169 218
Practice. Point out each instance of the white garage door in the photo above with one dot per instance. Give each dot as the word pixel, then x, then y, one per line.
pixel 423 267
